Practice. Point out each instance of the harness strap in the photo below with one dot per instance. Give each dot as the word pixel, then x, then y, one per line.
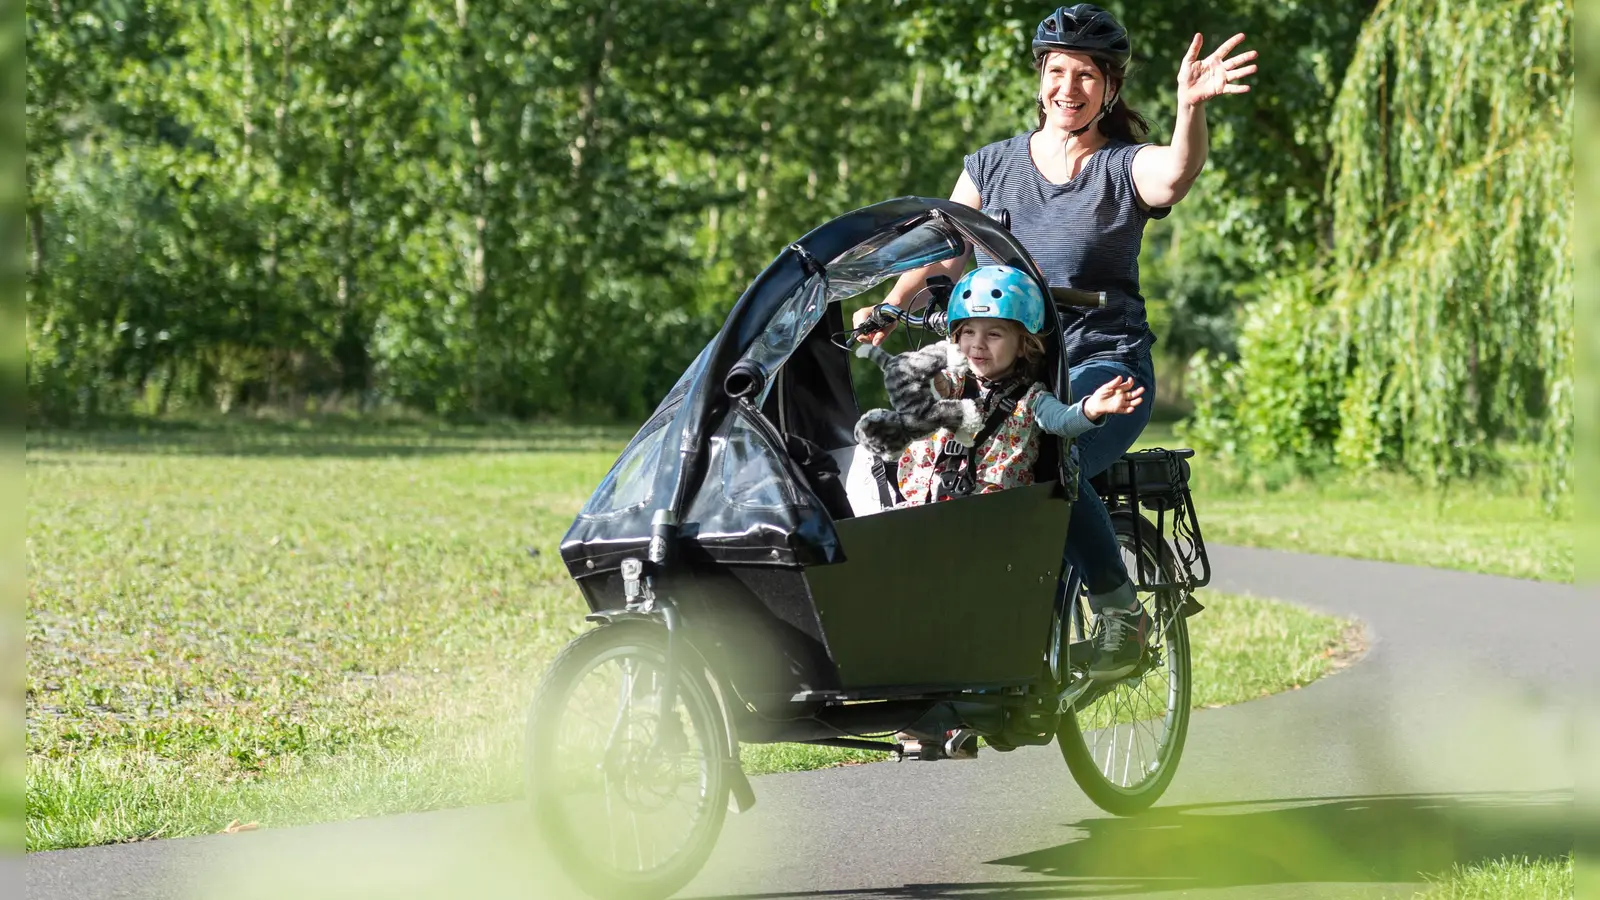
pixel 888 491
pixel 956 465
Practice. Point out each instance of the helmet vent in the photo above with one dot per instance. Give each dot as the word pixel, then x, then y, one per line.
pixel 966 295
pixel 996 294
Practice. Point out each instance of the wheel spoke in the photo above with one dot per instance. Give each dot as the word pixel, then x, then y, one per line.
pixel 1111 751
pixel 1132 732
pixel 611 831
pixel 654 777
pixel 638 849
pixel 1127 757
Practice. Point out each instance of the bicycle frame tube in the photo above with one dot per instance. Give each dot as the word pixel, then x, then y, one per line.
pixel 1072 581
pixel 669 686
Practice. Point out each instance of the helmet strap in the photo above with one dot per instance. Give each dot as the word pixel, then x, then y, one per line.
pixel 1105 107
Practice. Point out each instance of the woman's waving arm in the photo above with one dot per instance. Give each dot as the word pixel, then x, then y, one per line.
pixel 1163 175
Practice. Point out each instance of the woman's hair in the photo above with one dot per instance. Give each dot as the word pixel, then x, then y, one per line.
pixel 1030 347
pixel 1122 122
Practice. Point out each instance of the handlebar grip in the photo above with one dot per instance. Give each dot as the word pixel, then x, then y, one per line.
pixel 881 316
pixel 1066 296
pixel 877 320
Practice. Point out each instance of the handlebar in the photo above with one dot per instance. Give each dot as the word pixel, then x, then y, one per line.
pixel 937 321
pixel 1065 296
pixel 886 314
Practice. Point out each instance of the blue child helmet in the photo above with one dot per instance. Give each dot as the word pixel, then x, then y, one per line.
pixel 998 292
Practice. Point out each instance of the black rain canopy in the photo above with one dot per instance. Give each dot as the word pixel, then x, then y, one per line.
pixel 713 455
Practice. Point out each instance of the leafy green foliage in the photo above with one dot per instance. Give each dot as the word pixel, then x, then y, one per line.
pixel 475 209
pixel 1439 328
pixel 544 209
pixel 457 206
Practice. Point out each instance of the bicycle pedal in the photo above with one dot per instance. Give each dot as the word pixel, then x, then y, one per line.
pixel 961 744
pixel 922 751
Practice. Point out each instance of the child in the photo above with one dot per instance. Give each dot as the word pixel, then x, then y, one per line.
pixel 996 313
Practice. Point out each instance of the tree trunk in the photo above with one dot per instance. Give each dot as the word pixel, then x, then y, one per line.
pixel 247 123
pixel 36 234
pixel 576 278
pixel 477 203
pixel 350 346
pixel 166 387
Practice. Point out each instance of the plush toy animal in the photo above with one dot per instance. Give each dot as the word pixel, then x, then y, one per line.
pixel 918 411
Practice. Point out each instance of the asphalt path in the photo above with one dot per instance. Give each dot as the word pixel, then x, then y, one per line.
pixel 1453 740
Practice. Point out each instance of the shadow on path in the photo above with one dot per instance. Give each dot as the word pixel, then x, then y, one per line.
pixel 1341 840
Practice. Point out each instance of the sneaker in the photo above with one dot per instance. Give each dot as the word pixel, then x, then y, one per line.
pixel 1120 644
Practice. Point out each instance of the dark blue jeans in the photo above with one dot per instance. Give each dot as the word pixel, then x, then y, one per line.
pixel 1091 544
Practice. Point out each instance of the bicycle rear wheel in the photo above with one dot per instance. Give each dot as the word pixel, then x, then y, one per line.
pixel 1123 740
pixel 629 801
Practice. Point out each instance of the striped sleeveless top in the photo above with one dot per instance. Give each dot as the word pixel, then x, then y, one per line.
pixel 1083 234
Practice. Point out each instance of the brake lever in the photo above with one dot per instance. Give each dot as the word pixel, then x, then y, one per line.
pixel 845 340
pixel 934 318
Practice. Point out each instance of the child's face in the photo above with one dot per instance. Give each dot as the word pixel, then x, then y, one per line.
pixel 990 346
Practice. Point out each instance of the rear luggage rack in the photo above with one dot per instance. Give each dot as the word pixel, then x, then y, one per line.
pixel 1158 480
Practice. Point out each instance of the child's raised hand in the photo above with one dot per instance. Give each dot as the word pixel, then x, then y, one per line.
pixel 1119 396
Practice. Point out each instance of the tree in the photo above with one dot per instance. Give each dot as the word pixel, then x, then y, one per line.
pixel 1440 328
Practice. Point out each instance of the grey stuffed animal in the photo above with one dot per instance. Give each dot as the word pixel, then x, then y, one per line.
pixel 918 411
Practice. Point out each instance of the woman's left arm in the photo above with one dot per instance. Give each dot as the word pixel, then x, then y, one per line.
pixel 1163 175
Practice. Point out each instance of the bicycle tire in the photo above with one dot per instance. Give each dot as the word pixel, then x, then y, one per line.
pixel 571 847
pixel 1091 760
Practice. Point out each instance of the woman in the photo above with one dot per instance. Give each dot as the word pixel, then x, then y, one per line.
pixel 1079 189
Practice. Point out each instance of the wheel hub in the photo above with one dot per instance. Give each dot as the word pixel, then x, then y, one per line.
pixel 643 770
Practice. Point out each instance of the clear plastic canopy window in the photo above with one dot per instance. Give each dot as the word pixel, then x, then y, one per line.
pixel 852 273
pixel 885 255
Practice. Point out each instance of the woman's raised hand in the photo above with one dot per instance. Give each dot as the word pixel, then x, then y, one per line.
pixel 1119 396
pixel 1200 80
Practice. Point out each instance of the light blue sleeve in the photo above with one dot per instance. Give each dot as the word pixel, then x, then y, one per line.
pixel 1059 418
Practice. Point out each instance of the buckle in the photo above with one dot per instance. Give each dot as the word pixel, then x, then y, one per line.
pixel 954 484
pixel 953 447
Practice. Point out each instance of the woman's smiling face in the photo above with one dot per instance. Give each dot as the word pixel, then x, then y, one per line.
pixel 1072 89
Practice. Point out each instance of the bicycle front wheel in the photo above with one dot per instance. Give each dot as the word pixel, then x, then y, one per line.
pixel 629 800
pixel 1122 740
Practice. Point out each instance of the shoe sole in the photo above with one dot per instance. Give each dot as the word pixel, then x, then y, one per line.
pixel 1113 674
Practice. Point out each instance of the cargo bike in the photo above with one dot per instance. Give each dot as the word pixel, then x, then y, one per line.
pixel 749 585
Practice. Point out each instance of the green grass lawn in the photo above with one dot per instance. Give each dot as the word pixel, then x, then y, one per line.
pixel 1517 878
pixel 1494 527
pixel 264 624
pixel 277 624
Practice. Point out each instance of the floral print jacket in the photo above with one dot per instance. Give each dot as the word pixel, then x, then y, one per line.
pixel 1007 459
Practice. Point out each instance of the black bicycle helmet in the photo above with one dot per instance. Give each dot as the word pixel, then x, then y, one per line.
pixel 1084 28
